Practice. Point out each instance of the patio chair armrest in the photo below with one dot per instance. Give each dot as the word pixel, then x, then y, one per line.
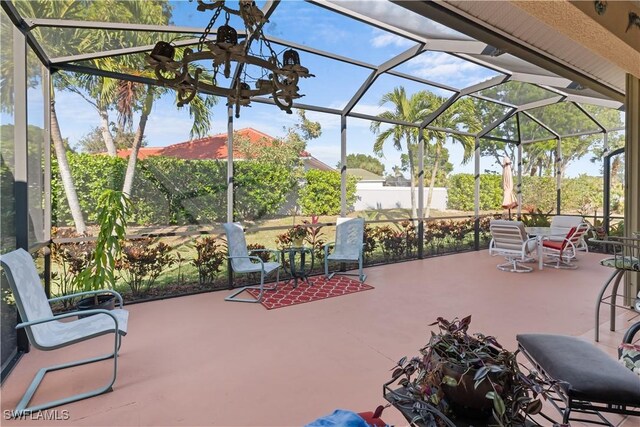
pixel 273 251
pixel 326 247
pixel 86 293
pixel 254 258
pixel 66 315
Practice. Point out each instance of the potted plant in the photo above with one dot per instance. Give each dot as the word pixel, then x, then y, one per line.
pixel 297 235
pixel 463 376
pixel 113 209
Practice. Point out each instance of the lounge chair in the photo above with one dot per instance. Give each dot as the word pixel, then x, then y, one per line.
pixel 585 379
pixel 46 332
pixel 510 240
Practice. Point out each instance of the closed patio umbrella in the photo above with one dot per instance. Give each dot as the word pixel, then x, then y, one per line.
pixel 509 200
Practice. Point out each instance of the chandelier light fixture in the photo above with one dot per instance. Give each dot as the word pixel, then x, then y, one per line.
pixel 276 78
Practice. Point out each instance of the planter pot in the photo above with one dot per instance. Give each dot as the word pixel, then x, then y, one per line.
pixel 465 400
pixel 105 302
pixel 297 243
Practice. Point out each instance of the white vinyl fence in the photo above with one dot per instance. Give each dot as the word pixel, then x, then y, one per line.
pixel 397 197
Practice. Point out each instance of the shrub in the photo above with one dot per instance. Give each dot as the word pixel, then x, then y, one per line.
pixel 261 189
pixel 539 192
pixel 460 194
pixel 210 255
pixel 369 241
pixel 92 174
pixel 315 236
pixel 167 190
pixel 142 264
pixel 260 253
pixel 396 242
pixel 321 193
pixel 70 259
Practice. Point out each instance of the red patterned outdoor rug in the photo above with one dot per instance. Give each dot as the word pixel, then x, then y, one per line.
pixel 320 288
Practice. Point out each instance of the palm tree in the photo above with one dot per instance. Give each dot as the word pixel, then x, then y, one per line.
pixel 462 111
pixel 412 110
pixel 64 9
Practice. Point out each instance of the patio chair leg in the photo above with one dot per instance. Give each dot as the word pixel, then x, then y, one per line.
pixel 363 276
pixel 262 288
pixel 512 266
pixel 22 407
pixel 326 268
pixel 561 264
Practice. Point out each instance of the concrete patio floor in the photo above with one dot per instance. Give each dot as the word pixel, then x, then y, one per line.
pixel 199 360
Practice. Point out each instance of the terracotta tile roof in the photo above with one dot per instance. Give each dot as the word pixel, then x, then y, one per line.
pixel 143 153
pixel 209 147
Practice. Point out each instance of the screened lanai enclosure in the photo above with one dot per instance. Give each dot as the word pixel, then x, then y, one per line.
pixel 105 95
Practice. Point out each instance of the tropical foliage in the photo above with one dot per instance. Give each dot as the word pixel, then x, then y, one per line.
pixel 366 162
pixel 175 191
pixel 321 193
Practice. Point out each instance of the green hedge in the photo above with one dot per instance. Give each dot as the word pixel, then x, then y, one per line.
pixel 174 191
pixel 460 190
pixel 321 193
pixel 581 194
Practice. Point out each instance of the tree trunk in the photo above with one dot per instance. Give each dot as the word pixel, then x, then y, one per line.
pixel 106 133
pixel 616 164
pixel 412 175
pixel 137 142
pixel 65 172
pixel 432 181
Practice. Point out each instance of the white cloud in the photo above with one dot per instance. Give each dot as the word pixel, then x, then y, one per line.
pixel 75 115
pixel 370 109
pixel 381 39
pixel 448 69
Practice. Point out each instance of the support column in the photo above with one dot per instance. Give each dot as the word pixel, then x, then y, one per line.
pixel 20 140
pixel 519 185
pixel 230 164
pixel 606 183
pixel 20 186
pixel 420 192
pixel 343 165
pixel 46 92
pixel 632 172
pixel 476 195
pixel 558 177
pixel 230 184
pixel 519 162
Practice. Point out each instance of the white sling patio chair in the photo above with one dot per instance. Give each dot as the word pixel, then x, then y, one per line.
pixel 242 262
pixel 563 250
pixel 46 332
pixel 347 247
pixel 510 240
pixel 561 224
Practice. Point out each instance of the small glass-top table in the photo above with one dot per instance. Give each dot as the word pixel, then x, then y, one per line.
pixel 298 262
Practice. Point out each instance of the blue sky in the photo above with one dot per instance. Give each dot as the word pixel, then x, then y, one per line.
pixel 333 86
